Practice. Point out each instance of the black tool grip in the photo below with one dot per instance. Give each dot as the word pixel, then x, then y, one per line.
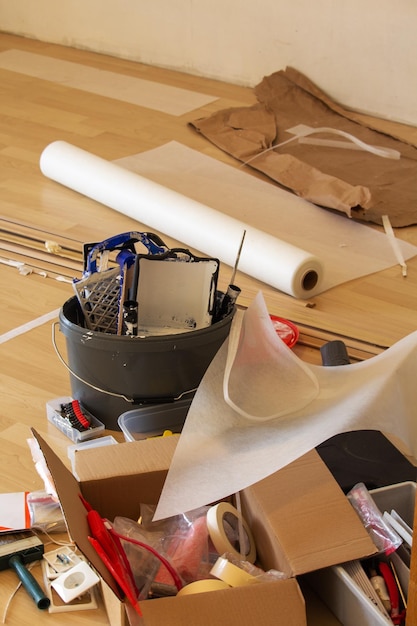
pixel 334 353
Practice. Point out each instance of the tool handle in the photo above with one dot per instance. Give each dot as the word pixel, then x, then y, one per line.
pixel 153 243
pixel 334 353
pixel 118 576
pixel 29 583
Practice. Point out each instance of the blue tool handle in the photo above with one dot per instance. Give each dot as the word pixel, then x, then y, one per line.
pixel 152 243
pixel 29 583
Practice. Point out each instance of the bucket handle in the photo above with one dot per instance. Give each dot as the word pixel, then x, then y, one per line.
pixel 110 393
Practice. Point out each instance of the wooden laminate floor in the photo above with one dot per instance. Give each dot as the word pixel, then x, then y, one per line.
pixel 370 313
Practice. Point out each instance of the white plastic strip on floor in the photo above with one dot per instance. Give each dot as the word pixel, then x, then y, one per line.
pixel 394 243
pixel 24 328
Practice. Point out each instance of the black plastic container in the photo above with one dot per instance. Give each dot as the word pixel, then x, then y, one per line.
pixel 111 374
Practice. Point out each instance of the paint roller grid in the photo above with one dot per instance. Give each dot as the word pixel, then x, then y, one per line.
pixel 99 297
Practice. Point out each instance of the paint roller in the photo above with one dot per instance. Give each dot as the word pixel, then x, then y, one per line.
pixel 17 550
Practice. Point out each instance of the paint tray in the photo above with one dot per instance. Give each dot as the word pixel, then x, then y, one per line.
pixel 99 295
pixel 175 295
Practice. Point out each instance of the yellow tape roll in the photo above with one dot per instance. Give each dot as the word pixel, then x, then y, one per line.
pixel 223 521
pixel 201 586
pixel 231 574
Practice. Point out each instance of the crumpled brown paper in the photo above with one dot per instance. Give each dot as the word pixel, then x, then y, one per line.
pixel 358 183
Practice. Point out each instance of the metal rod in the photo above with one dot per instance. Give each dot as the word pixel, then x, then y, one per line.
pixel 237 258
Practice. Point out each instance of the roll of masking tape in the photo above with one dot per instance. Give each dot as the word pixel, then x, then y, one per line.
pixel 227 528
pixel 201 586
pixel 231 574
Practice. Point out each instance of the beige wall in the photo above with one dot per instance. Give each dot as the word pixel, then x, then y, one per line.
pixel 362 52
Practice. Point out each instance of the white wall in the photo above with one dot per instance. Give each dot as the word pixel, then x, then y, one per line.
pixel 362 52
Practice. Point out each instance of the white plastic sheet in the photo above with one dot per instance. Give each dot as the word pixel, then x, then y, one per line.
pixel 280 413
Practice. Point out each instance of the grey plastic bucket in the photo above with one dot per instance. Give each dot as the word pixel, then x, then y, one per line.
pixel 111 374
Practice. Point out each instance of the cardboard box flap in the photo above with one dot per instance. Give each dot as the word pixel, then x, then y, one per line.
pixel 266 604
pixel 302 520
pixel 125 459
pixel 123 496
pixel 116 480
pixel 75 514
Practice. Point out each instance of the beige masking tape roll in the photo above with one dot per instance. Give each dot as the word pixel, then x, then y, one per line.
pixel 231 574
pixel 224 521
pixel 201 586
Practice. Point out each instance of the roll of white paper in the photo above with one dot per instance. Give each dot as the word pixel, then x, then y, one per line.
pixel 264 257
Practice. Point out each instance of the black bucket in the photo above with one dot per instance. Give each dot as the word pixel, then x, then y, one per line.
pixel 111 374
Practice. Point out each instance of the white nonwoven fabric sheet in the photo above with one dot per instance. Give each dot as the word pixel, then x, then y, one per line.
pixel 345 248
pixel 277 408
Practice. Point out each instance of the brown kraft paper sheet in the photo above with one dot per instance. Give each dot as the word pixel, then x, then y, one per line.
pixel 361 184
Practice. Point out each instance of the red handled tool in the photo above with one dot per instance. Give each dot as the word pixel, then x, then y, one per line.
pixel 108 545
pixel 112 555
pixel 397 615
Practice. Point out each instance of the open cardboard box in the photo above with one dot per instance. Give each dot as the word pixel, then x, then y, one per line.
pixel 343 594
pixel 300 519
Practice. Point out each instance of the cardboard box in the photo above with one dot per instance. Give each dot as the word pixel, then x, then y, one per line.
pixel 340 591
pixel 299 516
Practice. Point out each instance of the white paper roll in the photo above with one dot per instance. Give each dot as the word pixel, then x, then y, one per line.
pixel 264 257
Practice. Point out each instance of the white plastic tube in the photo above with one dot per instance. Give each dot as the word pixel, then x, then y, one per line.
pixel 302 134
pixel 264 257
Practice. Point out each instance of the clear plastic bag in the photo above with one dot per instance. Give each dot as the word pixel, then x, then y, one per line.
pixel 44 507
pixel 143 562
pixel 42 468
pixel 45 512
pixel 178 550
pixel 184 540
pixel 384 537
pixel 258 573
